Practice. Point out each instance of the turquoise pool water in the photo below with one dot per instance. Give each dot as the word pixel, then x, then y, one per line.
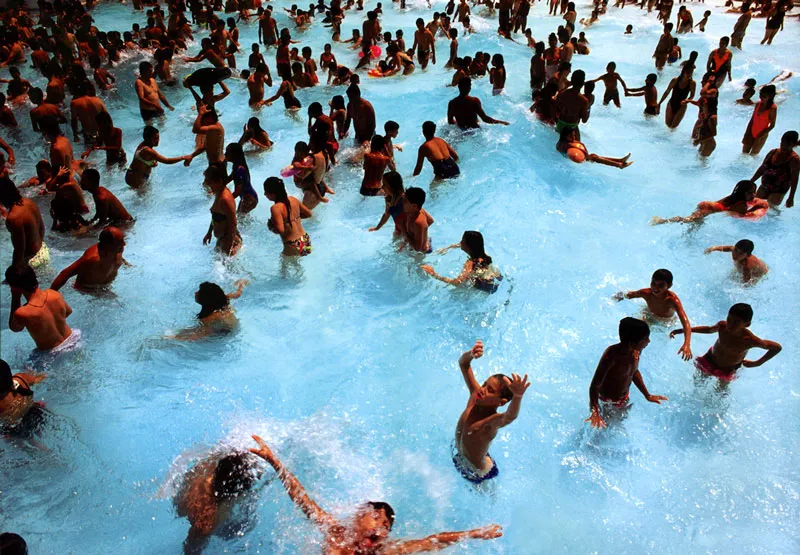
pixel 345 361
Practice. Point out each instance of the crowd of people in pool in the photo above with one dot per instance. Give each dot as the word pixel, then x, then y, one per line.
pixel 64 41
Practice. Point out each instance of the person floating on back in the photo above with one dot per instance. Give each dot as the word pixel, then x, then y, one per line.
pixel 749 267
pixel 480 421
pixel 734 340
pixel 617 369
pixel 663 303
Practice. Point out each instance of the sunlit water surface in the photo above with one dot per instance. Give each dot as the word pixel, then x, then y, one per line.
pixel 346 360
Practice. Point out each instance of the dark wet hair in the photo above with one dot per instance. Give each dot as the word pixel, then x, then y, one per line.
pixel 578 78
pixel 770 91
pixel 395 182
pixel 238 158
pixel 662 275
pixel 337 102
pixel 22 276
pixel 415 195
pixel 632 330
pixel 377 144
pixel 254 124
pixel 743 311
pixel 746 246
pixel 739 193
pixel 215 173
pixel 428 129
pixel 104 118
pixel 314 108
pixel 750 83
pixel 382 506
pixel 211 298
pixel 149 132
pixel 90 176
pixel 275 186
pixel 464 85
pixel 12 544
pixel 790 137
pixel 234 475
pixel 353 92
pixel 9 194
pixel 391 125
pixel 473 240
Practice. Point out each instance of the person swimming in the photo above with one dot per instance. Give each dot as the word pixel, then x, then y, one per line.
pixel 741 202
pixel 478 269
pixel 216 314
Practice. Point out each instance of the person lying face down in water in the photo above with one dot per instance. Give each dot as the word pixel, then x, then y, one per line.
pixel 570 146
pixel 663 303
pixel 480 421
pixel 727 355
pixel 478 269
pixel 209 493
pixel 742 202
pixel 749 267
pixel 216 314
pixel 16 397
pixel 367 532
pixel 617 369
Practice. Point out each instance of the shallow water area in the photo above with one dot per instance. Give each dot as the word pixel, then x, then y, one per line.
pixel 345 360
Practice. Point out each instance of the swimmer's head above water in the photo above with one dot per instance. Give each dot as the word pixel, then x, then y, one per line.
pixel 235 474
pixel 739 317
pixel 634 332
pixel 660 282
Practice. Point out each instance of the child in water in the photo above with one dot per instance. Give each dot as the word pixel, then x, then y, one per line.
pixel 478 269
pixel 663 303
pixel 617 369
pixel 480 421
pixel 734 340
pixel 749 93
pixel 750 268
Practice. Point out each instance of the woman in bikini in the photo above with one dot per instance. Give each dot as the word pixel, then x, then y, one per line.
pixel 682 88
pixel 285 215
pixel 779 172
pixel 16 399
pixel 286 90
pixel 478 269
pixel 742 202
pixel 223 214
pixel 570 146
pixel 762 121
pixel 216 314
pixel 240 175
pixel 146 158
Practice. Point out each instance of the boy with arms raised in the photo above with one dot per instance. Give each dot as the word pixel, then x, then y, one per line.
pixel 617 369
pixel 727 355
pixel 663 303
pixel 480 421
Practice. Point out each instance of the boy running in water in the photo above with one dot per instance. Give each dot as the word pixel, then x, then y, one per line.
pixel 663 303
pixel 617 369
pixel 480 421
pixel 734 340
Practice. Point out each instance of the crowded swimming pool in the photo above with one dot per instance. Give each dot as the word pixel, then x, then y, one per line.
pixel 345 361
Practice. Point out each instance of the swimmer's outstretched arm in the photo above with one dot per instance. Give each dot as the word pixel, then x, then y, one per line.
pixel 464 362
pixel 239 288
pixel 66 274
pixel 697 329
pixel 720 248
pixel 293 487
pixel 465 273
pixel 443 540
pixel 639 383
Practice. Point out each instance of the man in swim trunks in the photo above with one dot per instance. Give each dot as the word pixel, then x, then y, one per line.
pixel 464 110
pixel 424 44
pixel 210 137
pixel 663 303
pixel 779 172
pixel 438 152
pixel 44 314
pixel 99 264
pixel 361 113
pixel 84 109
pixel 664 47
pixel 720 61
pixel 734 340
pixel 108 208
pixel 650 94
pixel 150 96
pixel 480 421
pixel 24 223
pixel 366 532
pixel 572 106
pixel 610 80
pixel 746 263
pixel 617 369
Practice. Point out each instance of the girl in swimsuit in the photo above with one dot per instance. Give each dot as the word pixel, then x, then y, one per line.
pixel 146 158
pixel 223 214
pixel 741 202
pixel 779 172
pixel 570 146
pixel 705 128
pixel 774 23
pixel 497 74
pixel 286 90
pixel 216 314
pixel 761 123
pixel 240 175
pixel 392 184
pixel 478 269
pixel 682 88
pixel 253 133
pixel 285 215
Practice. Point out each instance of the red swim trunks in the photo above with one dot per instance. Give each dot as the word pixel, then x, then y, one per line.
pixel 617 403
pixel 707 366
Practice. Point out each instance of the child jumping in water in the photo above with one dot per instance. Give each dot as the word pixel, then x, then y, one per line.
pixel 480 421
pixel 663 303
pixel 617 369
pixel 734 340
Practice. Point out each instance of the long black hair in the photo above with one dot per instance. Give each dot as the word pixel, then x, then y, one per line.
pixel 739 193
pixel 275 186
pixel 473 241
pixel 211 298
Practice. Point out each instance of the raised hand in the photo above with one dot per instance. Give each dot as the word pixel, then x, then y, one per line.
pixel 477 349
pixel 263 450
pixel 619 296
pixel 519 386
